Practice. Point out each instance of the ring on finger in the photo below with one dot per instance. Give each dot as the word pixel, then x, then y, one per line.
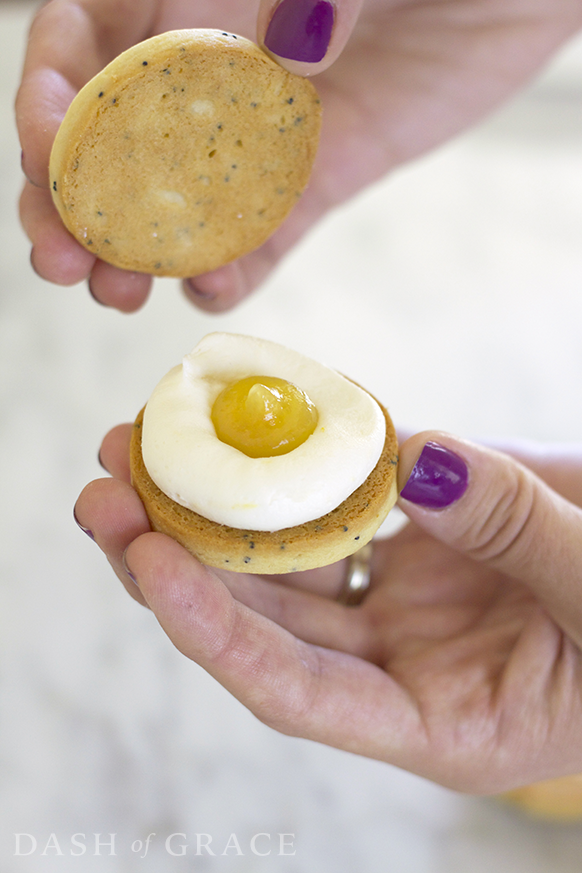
pixel 358 576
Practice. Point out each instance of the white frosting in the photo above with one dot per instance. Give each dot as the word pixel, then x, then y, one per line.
pixel 188 462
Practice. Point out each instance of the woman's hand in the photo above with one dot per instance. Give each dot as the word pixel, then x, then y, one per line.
pixel 461 664
pixel 398 78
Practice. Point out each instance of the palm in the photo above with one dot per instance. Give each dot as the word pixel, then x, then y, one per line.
pixel 459 638
pixel 459 644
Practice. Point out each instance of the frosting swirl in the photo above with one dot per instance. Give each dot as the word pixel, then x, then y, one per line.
pixel 188 462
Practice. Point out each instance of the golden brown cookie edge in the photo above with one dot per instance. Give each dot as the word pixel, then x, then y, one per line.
pixel 317 543
pixel 76 120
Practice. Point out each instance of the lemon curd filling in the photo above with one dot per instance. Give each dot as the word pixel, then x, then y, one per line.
pixel 263 416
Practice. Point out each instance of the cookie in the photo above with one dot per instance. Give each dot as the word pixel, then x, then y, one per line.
pixel 316 543
pixel 186 152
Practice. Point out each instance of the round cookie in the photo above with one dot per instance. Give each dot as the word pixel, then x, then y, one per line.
pixel 317 543
pixel 185 152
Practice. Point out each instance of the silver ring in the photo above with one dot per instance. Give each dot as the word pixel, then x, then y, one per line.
pixel 357 580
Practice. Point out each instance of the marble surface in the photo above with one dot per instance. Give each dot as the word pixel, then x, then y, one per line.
pixel 472 257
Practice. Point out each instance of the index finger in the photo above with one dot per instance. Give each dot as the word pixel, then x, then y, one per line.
pixel 114 452
pixel 69 42
pixel 297 688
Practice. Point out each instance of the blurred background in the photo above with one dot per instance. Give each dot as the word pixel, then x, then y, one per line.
pixel 473 257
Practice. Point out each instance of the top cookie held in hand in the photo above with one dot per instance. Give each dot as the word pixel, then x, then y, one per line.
pixel 184 153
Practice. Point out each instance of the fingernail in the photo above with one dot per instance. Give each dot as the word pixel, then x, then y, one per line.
pixel 300 30
pixel 439 478
pixel 23 168
pixel 92 293
pixel 128 571
pixel 80 526
pixel 204 295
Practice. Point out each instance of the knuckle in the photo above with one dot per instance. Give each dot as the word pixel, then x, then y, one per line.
pixel 277 697
pixel 43 16
pixel 288 706
pixel 509 525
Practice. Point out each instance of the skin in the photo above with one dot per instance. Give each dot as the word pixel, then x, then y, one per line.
pixel 412 75
pixel 462 664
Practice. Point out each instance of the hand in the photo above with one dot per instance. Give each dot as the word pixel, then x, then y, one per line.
pixel 412 75
pixel 462 664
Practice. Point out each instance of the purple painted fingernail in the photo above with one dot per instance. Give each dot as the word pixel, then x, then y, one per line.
pixel 439 478
pixel 92 293
pixel 23 168
pixel 128 571
pixel 204 295
pixel 300 30
pixel 84 529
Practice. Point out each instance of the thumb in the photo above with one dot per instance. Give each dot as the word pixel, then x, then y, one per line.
pixel 496 511
pixel 306 36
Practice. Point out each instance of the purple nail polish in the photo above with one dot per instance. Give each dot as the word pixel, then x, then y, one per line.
pixel 128 571
pixel 300 30
pixel 203 295
pixel 439 478
pixel 92 293
pixel 84 529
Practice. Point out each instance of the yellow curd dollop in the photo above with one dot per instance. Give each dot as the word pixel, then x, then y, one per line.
pixel 263 416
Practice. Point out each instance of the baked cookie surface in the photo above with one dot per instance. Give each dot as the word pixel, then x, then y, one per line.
pixel 184 153
pixel 316 543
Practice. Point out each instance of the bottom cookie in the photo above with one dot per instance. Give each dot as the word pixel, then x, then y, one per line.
pixel 316 543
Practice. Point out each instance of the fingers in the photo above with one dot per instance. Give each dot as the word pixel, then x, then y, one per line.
pixel 294 687
pixel 68 43
pixel 43 99
pixel 558 464
pixel 56 256
pixel 298 601
pixel 114 452
pixel 121 289
pixel 491 508
pixel 295 600
pixel 112 514
pixel 59 258
pixel 110 511
pixel 220 290
pixel 306 36
pixel 304 614
pixel 227 286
